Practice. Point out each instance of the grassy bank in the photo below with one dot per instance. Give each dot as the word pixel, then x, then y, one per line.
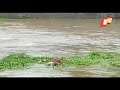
pixel 20 60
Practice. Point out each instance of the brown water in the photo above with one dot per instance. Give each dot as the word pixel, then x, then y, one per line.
pixel 60 37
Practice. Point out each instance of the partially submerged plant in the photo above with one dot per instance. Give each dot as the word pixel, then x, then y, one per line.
pixel 22 60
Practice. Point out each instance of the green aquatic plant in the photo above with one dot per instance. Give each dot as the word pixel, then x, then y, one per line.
pixel 22 60
pixel 4 17
pixel 92 58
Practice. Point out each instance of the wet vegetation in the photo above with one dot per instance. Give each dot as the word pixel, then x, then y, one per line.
pixel 4 17
pixel 58 15
pixel 22 60
pixel 106 59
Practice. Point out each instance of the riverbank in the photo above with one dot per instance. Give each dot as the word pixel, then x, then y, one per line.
pixel 21 60
pixel 59 15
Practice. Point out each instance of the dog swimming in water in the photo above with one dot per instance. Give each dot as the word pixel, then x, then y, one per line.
pixel 55 61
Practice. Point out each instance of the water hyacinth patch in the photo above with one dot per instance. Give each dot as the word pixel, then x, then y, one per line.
pixel 22 60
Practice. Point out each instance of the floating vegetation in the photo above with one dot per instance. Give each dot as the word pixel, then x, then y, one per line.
pixel 22 60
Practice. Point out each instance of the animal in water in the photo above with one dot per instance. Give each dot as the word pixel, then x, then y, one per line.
pixel 55 61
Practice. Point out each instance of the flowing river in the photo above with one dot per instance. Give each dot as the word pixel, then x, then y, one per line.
pixel 58 37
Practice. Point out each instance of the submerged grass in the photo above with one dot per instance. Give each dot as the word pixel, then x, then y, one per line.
pixel 93 58
pixel 21 60
pixel 4 17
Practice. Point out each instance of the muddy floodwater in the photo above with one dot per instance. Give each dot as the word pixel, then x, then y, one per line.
pixel 58 37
